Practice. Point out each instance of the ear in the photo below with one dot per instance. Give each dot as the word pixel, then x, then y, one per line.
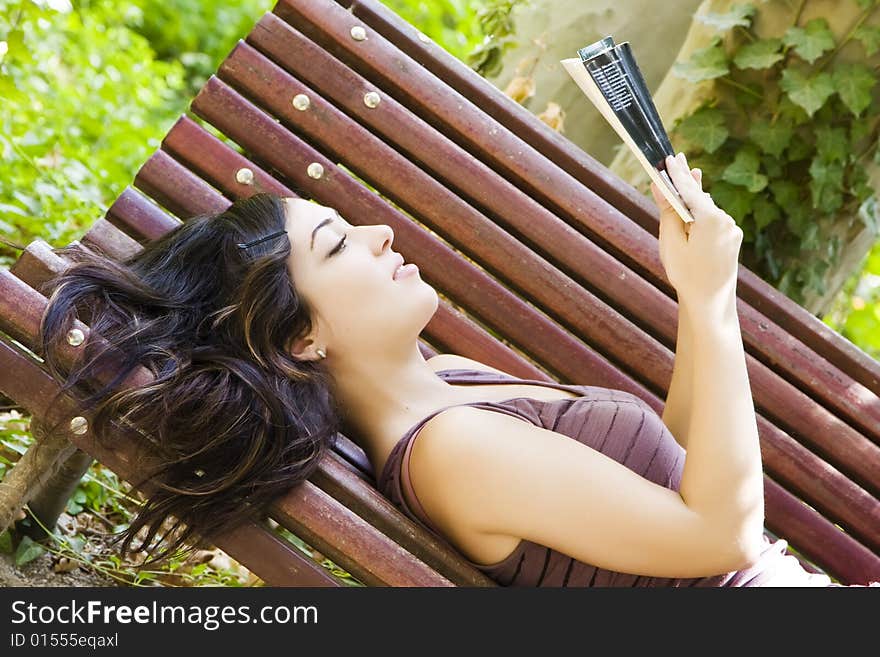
pixel 303 348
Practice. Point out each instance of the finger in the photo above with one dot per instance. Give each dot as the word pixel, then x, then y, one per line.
pixel 698 175
pixel 672 227
pixel 687 187
pixel 659 199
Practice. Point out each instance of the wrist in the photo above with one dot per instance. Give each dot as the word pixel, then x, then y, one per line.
pixel 719 309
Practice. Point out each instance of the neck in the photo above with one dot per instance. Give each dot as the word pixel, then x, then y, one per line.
pixel 380 399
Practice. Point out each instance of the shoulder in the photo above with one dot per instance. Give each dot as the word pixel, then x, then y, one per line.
pixel 464 451
pixel 454 361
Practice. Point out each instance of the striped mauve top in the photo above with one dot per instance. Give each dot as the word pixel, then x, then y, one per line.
pixel 621 426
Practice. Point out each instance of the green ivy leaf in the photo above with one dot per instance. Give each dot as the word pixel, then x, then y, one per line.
pixel 826 185
pixel 28 550
pixel 798 217
pixel 73 507
pixel 765 212
pixel 858 130
pixel 789 110
pixel 705 128
pixel 810 41
pixel 773 166
pixel 733 199
pixel 744 170
pixel 832 143
pixel 858 183
pixel 799 149
pixel 738 15
pixel 772 138
pixel 760 54
pixel 809 93
pixel 785 192
pixel 705 63
pixel 854 82
pixel 869 35
pixel 6 541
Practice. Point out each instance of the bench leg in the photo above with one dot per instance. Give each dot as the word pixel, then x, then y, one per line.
pixel 52 498
pixel 32 471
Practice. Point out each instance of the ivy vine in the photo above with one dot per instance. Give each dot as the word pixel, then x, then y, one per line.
pixel 785 142
pixel 495 18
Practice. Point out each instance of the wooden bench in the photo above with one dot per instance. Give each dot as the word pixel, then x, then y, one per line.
pixel 547 266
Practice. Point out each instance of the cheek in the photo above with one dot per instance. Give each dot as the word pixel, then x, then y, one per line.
pixel 360 290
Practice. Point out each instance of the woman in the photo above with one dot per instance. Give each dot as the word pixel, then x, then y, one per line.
pixel 276 323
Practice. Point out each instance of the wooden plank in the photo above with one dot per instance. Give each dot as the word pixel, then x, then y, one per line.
pixel 764 298
pixel 351 541
pixel 817 538
pixel 139 218
pixel 177 188
pixel 217 163
pixel 106 237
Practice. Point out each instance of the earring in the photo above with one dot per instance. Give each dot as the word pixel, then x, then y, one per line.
pixel 322 353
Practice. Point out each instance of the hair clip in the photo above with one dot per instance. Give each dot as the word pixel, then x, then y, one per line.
pixel 245 245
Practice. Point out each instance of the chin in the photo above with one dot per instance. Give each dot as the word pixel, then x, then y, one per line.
pixel 424 305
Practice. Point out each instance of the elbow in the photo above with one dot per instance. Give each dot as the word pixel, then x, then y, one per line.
pixel 749 558
pixel 749 549
pixel 742 548
pixel 749 539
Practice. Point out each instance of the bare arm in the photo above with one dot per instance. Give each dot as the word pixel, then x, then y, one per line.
pixel 476 471
pixel 722 477
pixel 677 410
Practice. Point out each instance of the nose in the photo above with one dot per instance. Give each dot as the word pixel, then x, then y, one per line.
pixel 386 237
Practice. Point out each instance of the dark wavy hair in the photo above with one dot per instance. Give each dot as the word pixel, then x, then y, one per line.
pixel 235 419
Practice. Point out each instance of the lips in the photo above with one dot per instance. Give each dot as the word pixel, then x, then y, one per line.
pixel 397 264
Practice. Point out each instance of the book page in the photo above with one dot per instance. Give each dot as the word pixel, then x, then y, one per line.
pixel 575 68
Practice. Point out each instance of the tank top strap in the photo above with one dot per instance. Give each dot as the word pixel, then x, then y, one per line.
pixel 467 376
pixel 461 375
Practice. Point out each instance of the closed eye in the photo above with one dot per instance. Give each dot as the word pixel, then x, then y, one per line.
pixel 340 245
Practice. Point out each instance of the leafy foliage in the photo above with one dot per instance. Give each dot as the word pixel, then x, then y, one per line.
pixel 89 90
pixel 784 142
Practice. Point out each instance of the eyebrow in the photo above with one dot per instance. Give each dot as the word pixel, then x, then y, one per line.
pixel 322 223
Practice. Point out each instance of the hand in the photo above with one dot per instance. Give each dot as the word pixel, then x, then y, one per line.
pixel 701 263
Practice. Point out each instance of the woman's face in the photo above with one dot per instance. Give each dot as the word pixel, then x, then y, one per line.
pixel 357 305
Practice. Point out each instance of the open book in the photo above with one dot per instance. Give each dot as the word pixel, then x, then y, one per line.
pixel 611 79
